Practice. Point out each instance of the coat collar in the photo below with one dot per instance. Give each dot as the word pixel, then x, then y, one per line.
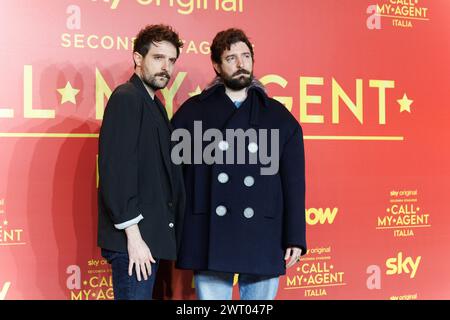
pixel 217 83
pixel 141 87
pixel 137 82
pixel 256 93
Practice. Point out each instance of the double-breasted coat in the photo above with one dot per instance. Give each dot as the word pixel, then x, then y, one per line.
pixel 237 219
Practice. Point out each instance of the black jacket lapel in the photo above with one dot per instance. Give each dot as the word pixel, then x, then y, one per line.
pixel 155 106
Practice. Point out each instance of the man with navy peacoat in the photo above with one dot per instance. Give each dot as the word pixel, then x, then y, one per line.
pixel 236 219
pixel 245 188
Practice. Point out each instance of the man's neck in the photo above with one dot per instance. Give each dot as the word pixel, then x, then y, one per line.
pixel 236 95
pixel 150 91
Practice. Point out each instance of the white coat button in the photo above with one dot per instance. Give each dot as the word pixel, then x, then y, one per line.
pixel 223 145
pixel 222 177
pixel 252 147
pixel 221 211
pixel 171 225
pixel 248 213
pixel 249 181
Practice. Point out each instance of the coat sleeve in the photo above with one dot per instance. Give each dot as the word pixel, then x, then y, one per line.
pixel 292 171
pixel 118 157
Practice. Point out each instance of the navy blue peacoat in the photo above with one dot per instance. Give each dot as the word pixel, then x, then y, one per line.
pixel 238 220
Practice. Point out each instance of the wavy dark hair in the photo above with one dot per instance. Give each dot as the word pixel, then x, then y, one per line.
pixel 156 33
pixel 223 41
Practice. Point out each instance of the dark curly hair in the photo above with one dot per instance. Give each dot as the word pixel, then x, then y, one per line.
pixel 223 41
pixel 156 33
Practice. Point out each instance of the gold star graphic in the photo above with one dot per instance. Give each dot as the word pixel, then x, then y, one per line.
pixel 405 103
pixel 68 93
pixel 196 92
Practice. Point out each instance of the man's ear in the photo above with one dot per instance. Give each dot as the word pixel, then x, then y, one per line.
pixel 217 68
pixel 137 57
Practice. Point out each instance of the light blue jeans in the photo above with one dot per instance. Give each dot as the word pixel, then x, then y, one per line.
pixel 211 285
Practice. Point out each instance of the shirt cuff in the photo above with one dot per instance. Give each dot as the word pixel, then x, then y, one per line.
pixel 128 223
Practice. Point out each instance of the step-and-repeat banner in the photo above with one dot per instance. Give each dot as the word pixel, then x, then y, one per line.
pixel 368 80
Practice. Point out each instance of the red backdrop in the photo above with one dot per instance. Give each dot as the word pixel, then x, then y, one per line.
pixel 367 80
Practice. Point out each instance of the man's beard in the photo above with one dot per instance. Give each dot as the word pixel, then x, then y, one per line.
pixel 238 83
pixel 154 83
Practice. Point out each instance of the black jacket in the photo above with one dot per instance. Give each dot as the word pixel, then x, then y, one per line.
pixel 235 241
pixel 136 173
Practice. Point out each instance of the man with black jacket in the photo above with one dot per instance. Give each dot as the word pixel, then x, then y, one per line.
pixel 141 195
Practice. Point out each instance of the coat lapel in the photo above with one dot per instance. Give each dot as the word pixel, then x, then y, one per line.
pixel 155 106
pixel 163 111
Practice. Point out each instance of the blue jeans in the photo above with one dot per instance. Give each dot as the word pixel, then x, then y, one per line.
pixel 124 286
pixel 211 285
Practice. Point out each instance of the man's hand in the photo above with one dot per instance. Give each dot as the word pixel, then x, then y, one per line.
pixel 139 253
pixel 294 253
